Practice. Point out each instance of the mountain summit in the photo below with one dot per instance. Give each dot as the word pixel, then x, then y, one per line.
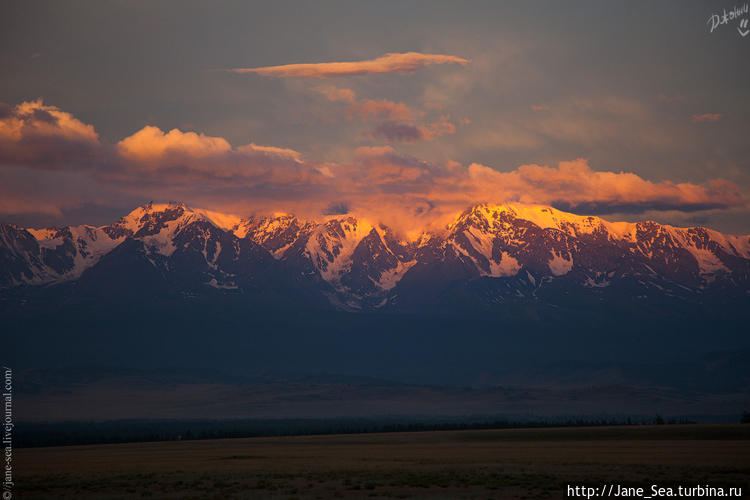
pixel 486 254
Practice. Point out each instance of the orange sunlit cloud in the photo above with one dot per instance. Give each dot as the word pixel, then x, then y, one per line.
pixel 389 63
pixel 336 94
pixel 378 180
pixel 398 123
pixel 184 157
pixel 574 183
pixel 365 108
pixel 382 108
pixel 707 118
pixel 44 136
pixel 438 128
pixel 11 204
pixel 151 144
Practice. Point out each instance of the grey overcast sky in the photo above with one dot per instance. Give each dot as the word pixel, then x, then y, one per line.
pixel 630 110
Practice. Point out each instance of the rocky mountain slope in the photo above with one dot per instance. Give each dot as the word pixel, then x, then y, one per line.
pixel 488 254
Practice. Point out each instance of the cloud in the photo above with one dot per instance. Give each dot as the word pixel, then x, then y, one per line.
pixel 394 131
pixel 150 144
pixel 389 63
pixel 34 134
pixel 272 151
pixel 381 108
pixel 574 185
pixel 504 136
pixel 379 181
pixel 380 167
pixel 397 132
pixel 366 108
pixel 438 128
pixel 415 195
pixel 399 123
pixel 184 157
pixel 335 94
pixel 337 208
pixel 13 205
pixel 707 118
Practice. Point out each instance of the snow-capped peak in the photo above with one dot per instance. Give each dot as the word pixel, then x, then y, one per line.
pixel 545 217
pixel 148 216
pixel 364 260
pixel 331 245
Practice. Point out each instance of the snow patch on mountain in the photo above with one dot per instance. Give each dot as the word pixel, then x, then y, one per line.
pixel 559 265
pixel 227 222
pixel 222 286
pixel 46 237
pixel 84 245
pixel 508 266
pixel 596 283
pixel 331 245
pixel 390 278
pixel 708 262
pixel 547 217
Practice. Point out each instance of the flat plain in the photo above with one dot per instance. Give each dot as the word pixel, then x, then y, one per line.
pixel 504 463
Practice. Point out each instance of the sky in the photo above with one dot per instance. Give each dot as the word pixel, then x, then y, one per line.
pixel 404 111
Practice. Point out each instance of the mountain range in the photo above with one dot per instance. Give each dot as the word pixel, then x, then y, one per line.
pixel 487 255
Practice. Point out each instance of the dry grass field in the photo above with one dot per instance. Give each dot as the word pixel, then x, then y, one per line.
pixel 513 463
